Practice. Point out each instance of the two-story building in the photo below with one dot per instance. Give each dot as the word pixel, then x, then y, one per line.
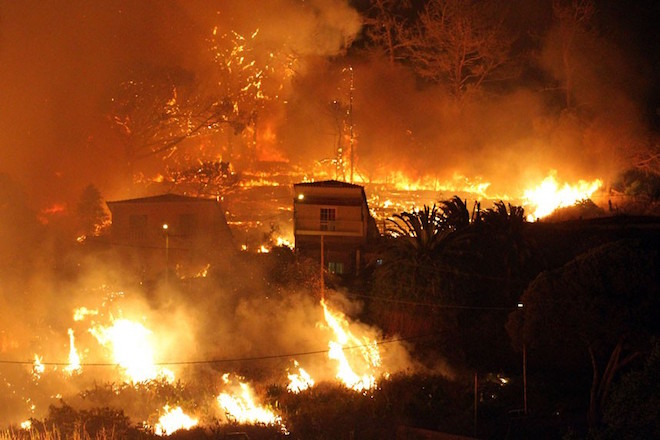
pixel 169 230
pixel 333 216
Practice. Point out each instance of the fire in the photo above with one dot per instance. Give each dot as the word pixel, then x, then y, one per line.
pixel 74 358
pixel 548 196
pixel 132 349
pixel 81 312
pixel 242 407
pixel 38 367
pixel 281 241
pixel 174 419
pixel 458 183
pixel 357 373
pixel 299 381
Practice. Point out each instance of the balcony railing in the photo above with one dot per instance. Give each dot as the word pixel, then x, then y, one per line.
pixel 315 226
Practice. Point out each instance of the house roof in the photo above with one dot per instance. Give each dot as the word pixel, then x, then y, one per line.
pixel 351 198
pixel 329 184
pixel 164 198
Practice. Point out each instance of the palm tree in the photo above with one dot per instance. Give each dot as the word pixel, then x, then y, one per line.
pixel 413 242
pixel 504 225
pixel 455 213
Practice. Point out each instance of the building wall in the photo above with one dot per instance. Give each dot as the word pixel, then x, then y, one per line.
pixel 343 233
pixel 197 233
pixel 194 222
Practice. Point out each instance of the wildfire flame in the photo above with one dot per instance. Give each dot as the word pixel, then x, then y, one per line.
pixel 38 367
pixel 174 419
pixel 132 349
pixel 548 196
pixel 74 358
pixel 242 407
pixel 299 381
pixel 81 312
pixel 357 373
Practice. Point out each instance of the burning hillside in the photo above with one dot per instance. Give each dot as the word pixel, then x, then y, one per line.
pixel 133 348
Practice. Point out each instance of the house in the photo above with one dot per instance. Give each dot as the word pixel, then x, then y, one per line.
pixel 170 230
pixel 333 216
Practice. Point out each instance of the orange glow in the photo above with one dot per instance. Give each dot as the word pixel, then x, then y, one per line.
pixel 173 419
pixel 299 381
pixel 132 350
pixel 458 183
pixel 548 195
pixel 74 358
pixel 45 214
pixel 357 370
pixel 38 367
pixel 240 405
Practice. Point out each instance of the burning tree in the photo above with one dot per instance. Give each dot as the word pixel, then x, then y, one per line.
pixel 157 112
pixel 92 217
pixel 208 178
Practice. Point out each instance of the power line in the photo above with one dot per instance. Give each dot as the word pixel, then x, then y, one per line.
pixel 433 305
pixel 222 361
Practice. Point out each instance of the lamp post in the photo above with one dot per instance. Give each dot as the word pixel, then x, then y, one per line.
pixel 167 253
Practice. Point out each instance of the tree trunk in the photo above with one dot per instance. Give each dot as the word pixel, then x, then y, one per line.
pixel 600 386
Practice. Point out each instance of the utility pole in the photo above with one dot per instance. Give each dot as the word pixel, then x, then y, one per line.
pixel 322 267
pixel 525 378
pixel 476 401
pixel 167 254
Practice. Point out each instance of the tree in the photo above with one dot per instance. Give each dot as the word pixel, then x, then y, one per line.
pixel 387 28
pixel 92 216
pixel 412 250
pixel 455 213
pixel 462 43
pixel 503 224
pixel 633 409
pixel 573 17
pixel 157 109
pixel 208 178
pixel 603 302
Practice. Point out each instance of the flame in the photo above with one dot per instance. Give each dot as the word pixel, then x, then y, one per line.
pixel 299 381
pixel 38 367
pixel 132 350
pixel 281 241
pixel 242 408
pixel 74 358
pixel 548 196
pixel 81 312
pixel 174 419
pixel 458 183
pixel 47 213
pixel 367 363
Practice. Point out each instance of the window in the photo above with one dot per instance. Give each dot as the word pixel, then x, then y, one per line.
pixel 188 224
pixel 334 267
pixel 328 216
pixel 137 226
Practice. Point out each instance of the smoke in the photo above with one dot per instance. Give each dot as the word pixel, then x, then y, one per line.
pixel 62 63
